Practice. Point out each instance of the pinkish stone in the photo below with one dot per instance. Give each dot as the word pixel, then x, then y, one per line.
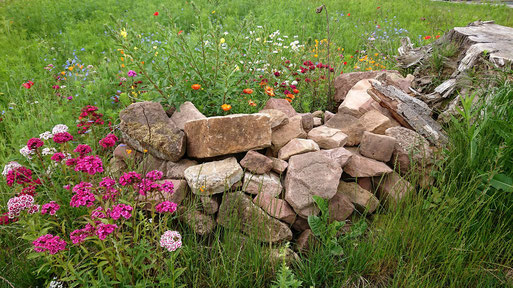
pixel 297 146
pixel 256 163
pixel 363 199
pixel 282 105
pixel 282 135
pixel 275 207
pixel 359 166
pixel 327 138
pixel 377 147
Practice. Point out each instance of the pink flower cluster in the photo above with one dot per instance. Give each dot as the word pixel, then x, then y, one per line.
pixel 146 185
pixel 50 243
pixel 89 164
pixel 98 213
pixel 171 240
pixel 108 141
pixel 78 236
pixel 129 178
pixel 166 206
pixel 50 208
pixel 110 192
pixel 121 210
pixel 103 230
pixel 62 137
pixel 83 149
pixel 17 204
pixel 83 195
pixel 154 175
pixel 19 175
pixel 58 157
pixel 34 143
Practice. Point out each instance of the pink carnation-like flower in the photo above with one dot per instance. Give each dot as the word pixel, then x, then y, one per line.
pixel 89 164
pixel 131 73
pixel 121 210
pixel 50 243
pixel 167 187
pixel 166 206
pixel 19 175
pixel 33 209
pixel 50 208
pixel 154 175
pixel 104 230
pixel 147 185
pixel 98 213
pixel 108 141
pixel 83 195
pixel 34 143
pixel 17 204
pixel 83 149
pixel 79 235
pixel 129 178
pixel 62 137
pixel 171 240
pixel 58 157
pixel 109 190
pixel 71 162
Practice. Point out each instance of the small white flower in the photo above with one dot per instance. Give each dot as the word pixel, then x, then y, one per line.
pixel 10 166
pixel 48 151
pixel 225 33
pixel 25 151
pixel 294 82
pixel 258 39
pixel 59 128
pixel 259 27
pixel 46 135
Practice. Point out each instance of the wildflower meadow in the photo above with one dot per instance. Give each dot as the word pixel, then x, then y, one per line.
pixel 72 216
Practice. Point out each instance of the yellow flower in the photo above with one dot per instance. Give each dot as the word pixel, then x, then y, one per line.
pixel 145 150
pixel 70 68
pixel 135 48
pixel 213 11
pixel 376 55
pixel 123 33
pixel 154 47
pixel 315 55
pixel 128 151
pixel 222 41
pixel 63 72
pixel 202 188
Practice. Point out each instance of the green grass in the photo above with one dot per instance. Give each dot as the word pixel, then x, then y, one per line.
pixel 462 239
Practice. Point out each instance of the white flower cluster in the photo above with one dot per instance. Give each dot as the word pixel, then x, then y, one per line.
pixel 171 240
pixel 59 128
pixel 10 166
pixel 27 152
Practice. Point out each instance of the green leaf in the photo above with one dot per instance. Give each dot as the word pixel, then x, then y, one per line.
pixel 316 225
pixel 502 182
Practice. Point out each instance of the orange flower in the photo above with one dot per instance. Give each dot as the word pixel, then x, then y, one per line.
pixel 196 86
pixel 70 68
pixel 269 91
pixel 247 91
pixel 226 107
pixel 290 100
pixel 263 83
pixel 437 36
pixel 291 96
pixel 427 37
pixel 295 91
pixel 251 103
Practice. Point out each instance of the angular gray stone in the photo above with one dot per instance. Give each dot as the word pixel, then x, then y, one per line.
pixel 187 112
pixel 279 166
pixel 145 126
pixel 269 184
pixel 310 174
pixel 175 170
pixel 238 208
pixel 349 125
pixel 327 138
pixel 225 135
pixel 200 223
pixel 411 149
pixel 213 177
pixel 210 205
pixel 297 146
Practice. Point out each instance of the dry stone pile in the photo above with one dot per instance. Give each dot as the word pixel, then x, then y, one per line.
pixel 262 169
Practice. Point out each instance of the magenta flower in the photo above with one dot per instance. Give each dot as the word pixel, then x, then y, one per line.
pixel 154 175
pixel 104 230
pixel 129 178
pixel 147 185
pixel 50 243
pixel 62 137
pixel 17 204
pixel 166 206
pixel 57 157
pixel 98 213
pixel 121 210
pixel 78 236
pixel 89 164
pixel 108 141
pixel 50 208
pixel 167 187
pixel 83 195
pixel 131 73
pixel 19 175
pixel 171 240
pixel 34 143
pixel 83 149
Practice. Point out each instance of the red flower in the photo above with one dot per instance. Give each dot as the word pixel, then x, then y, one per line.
pixel 378 8
pixel 180 32
pixel 348 14
pixel 437 36
pixel 156 14
pixel 277 74
pixel 345 63
pixel 28 84
pixel 427 37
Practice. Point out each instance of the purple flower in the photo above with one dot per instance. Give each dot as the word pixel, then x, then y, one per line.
pixel 166 206
pixel 103 230
pixel 131 73
pixel 34 143
pixel 50 208
pixel 50 243
pixel 89 164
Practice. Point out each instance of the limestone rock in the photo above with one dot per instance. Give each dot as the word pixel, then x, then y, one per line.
pixel 349 125
pixel 327 116
pixel 269 184
pixel 411 149
pixel 363 199
pixel 210 205
pixel 275 207
pixel 340 155
pixel 279 166
pixel 375 122
pixel 340 207
pixel 318 114
pixel 187 112
pixel 150 163
pixel 225 135
pixel 200 223
pixel 327 138
pixel 317 122
pixel 289 131
pixel 254 221
pixel 213 177
pixel 278 118
pixel 256 162
pixel 392 188
pixel 117 166
pixel 145 126
pixel 310 174
pixel 175 170
pixel 377 147
pixel 297 146
pixel 127 153
pixel 359 166
pixel 282 105
pixel 357 101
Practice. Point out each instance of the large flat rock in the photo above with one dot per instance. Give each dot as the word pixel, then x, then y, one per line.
pixel 213 177
pixel 225 135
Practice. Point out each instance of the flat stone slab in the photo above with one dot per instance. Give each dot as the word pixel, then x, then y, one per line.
pixel 213 177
